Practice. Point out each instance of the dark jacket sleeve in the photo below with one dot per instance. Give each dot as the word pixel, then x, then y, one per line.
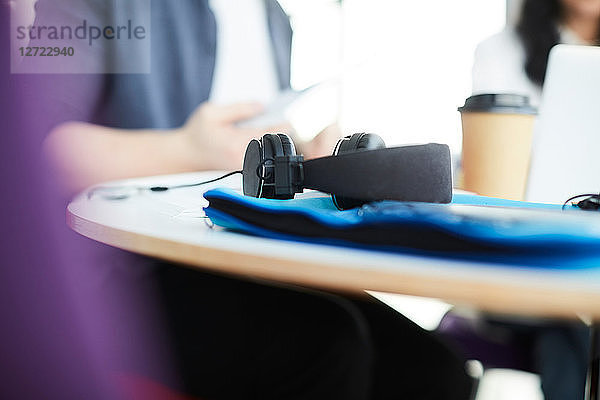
pixel 281 37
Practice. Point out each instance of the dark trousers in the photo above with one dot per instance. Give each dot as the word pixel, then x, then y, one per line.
pixel 237 339
pixel 558 353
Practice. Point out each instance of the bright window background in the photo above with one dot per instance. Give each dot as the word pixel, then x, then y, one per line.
pixel 405 65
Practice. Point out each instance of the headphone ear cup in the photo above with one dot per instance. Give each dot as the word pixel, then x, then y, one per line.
pixel 251 178
pixel 358 141
pixel 370 141
pixel 274 145
pixel 354 143
pixel 338 145
pixel 288 145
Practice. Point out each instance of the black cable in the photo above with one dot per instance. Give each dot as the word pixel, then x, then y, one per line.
pixel 153 188
pixel 589 196
pixel 165 188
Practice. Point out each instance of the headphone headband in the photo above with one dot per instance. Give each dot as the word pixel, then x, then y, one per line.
pixel 410 173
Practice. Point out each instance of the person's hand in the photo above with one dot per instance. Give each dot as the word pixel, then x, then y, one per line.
pixel 211 138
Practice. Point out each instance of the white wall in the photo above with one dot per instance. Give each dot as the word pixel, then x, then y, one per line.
pixel 406 64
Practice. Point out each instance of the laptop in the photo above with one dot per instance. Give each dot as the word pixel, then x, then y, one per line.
pixel 566 145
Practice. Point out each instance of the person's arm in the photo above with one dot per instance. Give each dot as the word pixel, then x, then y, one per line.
pixel 86 154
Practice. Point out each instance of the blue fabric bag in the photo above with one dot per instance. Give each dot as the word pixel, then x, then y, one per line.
pixel 471 227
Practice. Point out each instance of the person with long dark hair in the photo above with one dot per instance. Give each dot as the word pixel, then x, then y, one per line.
pixel 515 59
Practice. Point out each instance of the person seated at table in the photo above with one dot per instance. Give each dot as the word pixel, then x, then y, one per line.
pixel 515 61
pixel 233 339
pixel 185 113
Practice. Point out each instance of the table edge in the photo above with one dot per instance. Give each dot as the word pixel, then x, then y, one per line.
pixel 482 295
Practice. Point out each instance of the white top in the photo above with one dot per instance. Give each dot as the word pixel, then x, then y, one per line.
pixel 245 67
pixel 500 65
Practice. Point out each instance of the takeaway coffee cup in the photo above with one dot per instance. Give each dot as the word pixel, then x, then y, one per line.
pixel 497 136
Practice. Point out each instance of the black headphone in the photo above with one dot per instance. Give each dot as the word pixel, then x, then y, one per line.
pixel 360 170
